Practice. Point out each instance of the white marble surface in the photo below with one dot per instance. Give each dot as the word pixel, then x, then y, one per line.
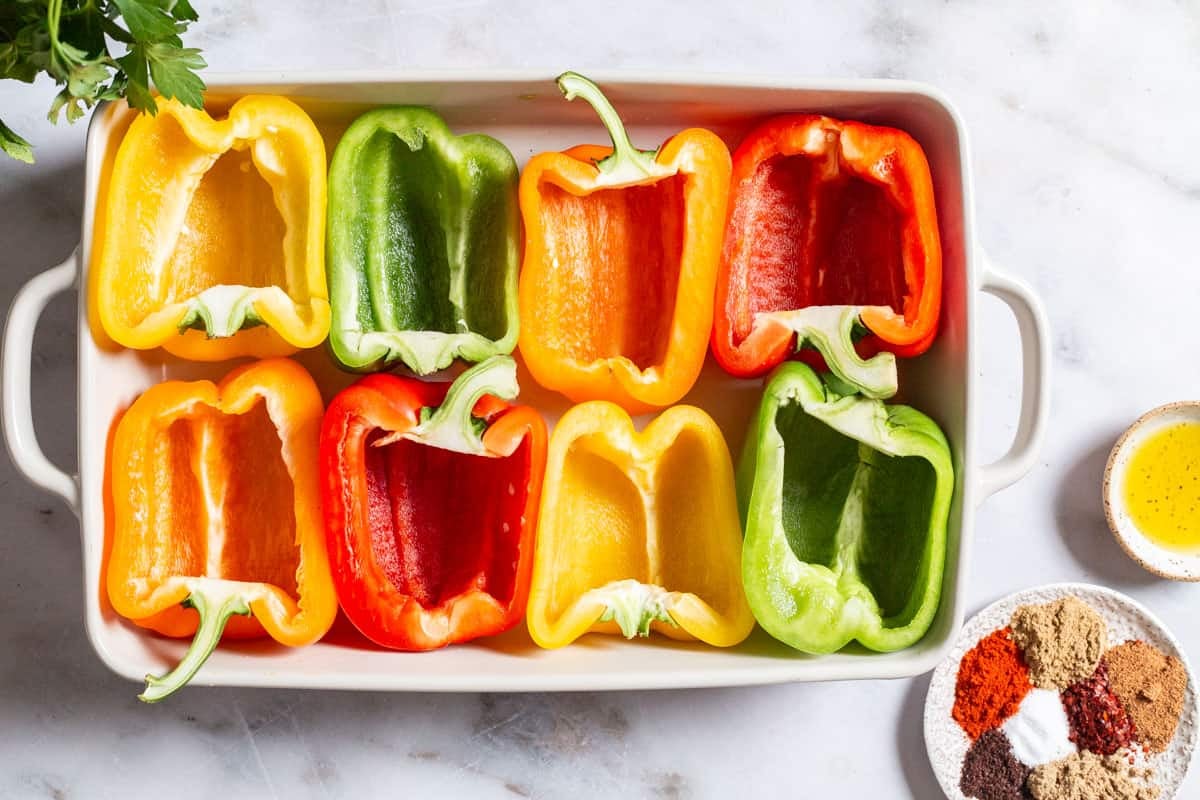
pixel 1085 125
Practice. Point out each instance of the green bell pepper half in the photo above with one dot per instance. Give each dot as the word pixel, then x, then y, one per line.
pixel 845 501
pixel 422 244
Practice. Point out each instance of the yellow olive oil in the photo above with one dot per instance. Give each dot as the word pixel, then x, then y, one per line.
pixel 1162 487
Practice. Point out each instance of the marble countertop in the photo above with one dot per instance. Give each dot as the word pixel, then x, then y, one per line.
pixel 1084 134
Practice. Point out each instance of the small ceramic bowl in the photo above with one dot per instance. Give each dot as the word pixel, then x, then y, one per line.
pixel 1163 562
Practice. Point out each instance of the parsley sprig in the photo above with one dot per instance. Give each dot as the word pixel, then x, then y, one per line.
pixel 69 40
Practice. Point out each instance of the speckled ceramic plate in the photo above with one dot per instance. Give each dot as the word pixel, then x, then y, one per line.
pixel 947 744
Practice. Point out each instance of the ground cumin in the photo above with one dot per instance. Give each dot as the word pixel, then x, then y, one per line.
pixel 1151 685
pixel 1062 641
pixel 1087 776
pixel 992 681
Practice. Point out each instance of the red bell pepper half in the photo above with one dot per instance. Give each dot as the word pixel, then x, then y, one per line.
pixel 832 233
pixel 430 497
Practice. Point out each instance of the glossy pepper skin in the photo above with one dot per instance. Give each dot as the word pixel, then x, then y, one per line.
pixel 638 531
pixel 216 513
pixel 423 244
pixel 621 251
pixel 845 501
pixel 212 242
pixel 431 496
pixel 832 232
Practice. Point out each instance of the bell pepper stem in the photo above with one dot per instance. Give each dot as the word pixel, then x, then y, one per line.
pixel 633 605
pixel 212 624
pixel 627 164
pixel 221 311
pixel 830 329
pixel 452 425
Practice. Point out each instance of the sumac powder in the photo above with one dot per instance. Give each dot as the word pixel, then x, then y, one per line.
pixel 990 771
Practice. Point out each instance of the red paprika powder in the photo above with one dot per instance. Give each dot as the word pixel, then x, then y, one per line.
pixel 992 680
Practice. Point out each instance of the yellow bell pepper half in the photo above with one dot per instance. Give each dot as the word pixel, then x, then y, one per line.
pixel 212 240
pixel 638 531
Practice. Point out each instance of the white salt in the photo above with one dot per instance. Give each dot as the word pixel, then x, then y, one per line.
pixel 1039 731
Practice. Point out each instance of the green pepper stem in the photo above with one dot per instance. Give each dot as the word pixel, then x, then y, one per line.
pixel 452 425
pixel 206 638
pixel 634 605
pixel 830 329
pixel 221 311
pixel 627 164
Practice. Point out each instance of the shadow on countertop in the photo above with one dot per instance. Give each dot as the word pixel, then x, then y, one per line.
pixel 910 741
pixel 1079 514
pixel 41 583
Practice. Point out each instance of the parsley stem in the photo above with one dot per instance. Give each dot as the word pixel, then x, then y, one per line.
pixel 53 16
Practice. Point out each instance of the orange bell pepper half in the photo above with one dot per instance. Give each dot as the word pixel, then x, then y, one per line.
pixel 431 496
pixel 216 511
pixel 639 532
pixel 832 233
pixel 621 252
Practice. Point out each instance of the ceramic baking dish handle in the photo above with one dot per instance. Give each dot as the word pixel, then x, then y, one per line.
pixel 19 434
pixel 1035 379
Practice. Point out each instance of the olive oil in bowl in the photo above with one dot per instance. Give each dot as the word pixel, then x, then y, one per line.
pixel 1162 487
pixel 1152 491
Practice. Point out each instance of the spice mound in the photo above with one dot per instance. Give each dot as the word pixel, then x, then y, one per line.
pixel 1151 685
pixel 1098 720
pixel 1087 776
pixel 1062 641
pixel 992 681
pixel 1039 731
pixel 1053 713
pixel 991 771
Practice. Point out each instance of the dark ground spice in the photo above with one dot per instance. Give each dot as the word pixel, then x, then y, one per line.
pixel 990 771
pixel 1098 719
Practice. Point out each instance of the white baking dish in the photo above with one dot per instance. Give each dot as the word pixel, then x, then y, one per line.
pixel 527 113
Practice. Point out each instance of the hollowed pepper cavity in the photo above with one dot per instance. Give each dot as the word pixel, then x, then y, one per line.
pixel 423 243
pixel 431 495
pixel 845 501
pixel 621 251
pixel 211 240
pixel 216 513
pixel 638 531
pixel 832 236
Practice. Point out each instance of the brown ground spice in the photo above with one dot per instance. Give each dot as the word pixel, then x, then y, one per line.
pixel 990 771
pixel 1062 641
pixel 1151 684
pixel 1087 776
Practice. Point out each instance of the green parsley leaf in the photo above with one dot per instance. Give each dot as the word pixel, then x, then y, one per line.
pixel 84 80
pixel 147 22
pixel 13 63
pixel 173 71
pixel 182 10
pixel 70 41
pixel 14 145
pixel 137 91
